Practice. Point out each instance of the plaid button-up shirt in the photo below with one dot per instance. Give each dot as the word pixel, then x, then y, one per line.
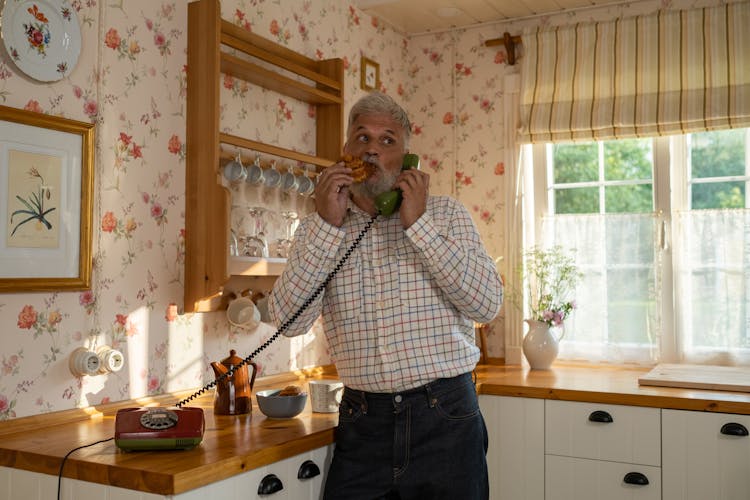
pixel 400 311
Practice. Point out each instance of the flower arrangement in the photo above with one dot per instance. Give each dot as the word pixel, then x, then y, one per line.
pixel 549 277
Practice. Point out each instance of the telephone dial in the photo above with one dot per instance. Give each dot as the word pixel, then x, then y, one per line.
pixel 181 427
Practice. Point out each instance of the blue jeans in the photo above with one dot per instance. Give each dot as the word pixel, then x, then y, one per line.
pixel 427 443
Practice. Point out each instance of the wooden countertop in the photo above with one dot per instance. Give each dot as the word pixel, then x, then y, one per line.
pixel 231 444
pixel 235 444
pixel 603 384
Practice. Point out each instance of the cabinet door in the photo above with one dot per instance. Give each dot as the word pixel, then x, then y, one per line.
pixel 618 433
pixel 700 461
pixel 296 488
pixel 322 458
pixel 516 446
pixel 568 478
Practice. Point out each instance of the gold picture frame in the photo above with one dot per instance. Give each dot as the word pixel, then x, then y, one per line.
pixel 369 74
pixel 46 202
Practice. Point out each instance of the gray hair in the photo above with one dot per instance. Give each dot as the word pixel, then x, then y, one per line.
pixel 379 103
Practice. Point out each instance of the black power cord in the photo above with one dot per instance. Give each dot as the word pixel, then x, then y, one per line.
pixel 62 464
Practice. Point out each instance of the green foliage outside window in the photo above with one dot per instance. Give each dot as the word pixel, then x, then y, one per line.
pixel 625 177
pixel 624 174
pixel 717 154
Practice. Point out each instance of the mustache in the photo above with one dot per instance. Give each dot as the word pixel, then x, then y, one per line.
pixel 372 159
pixel 372 187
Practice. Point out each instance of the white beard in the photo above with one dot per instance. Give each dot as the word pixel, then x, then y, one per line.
pixel 372 187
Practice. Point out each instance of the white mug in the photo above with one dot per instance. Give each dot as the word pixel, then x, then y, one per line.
pixel 242 313
pixel 325 395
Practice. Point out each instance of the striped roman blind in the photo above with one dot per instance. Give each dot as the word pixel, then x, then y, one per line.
pixel 665 73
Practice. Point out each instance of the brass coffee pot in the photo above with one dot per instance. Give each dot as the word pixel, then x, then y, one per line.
pixel 233 394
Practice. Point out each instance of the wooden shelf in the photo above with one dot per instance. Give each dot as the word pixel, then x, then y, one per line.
pixel 261 147
pixel 254 266
pixel 254 73
pixel 216 46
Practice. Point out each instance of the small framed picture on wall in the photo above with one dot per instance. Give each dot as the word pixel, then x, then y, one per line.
pixel 370 74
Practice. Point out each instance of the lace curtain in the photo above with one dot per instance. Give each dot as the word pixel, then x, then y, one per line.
pixel 618 300
pixel 712 272
pixel 666 73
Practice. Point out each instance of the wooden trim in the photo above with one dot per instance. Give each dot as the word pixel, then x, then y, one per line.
pixel 205 264
pixel 509 42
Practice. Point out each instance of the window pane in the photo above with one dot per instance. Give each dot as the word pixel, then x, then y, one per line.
pixel 713 281
pixel 628 306
pixel 577 201
pixel 717 304
pixel 717 154
pixel 575 163
pixel 718 195
pixel 627 160
pixel 616 318
pixel 636 198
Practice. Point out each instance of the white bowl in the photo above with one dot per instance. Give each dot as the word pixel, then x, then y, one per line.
pixel 274 406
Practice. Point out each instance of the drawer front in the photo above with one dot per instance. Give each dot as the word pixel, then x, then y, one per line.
pixel 568 478
pixel 583 430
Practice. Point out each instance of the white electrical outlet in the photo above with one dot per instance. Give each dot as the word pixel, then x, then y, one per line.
pixel 83 362
pixel 111 360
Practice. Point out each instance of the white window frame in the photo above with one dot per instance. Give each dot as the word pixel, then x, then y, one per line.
pixel 671 190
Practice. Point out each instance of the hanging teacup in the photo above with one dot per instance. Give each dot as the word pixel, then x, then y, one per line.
pixel 235 171
pixel 255 173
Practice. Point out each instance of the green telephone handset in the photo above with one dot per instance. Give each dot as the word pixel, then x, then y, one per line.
pixel 388 202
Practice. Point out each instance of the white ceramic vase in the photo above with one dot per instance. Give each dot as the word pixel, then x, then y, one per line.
pixel 540 346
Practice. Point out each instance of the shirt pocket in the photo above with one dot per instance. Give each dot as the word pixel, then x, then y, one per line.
pixel 344 292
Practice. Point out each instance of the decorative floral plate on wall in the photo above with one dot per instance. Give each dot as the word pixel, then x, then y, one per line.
pixel 42 37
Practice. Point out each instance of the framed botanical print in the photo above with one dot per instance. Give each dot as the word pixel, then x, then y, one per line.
pixel 46 201
pixel 370 74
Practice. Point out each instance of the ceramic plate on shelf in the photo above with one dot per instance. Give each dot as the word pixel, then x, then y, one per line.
pixel 42 37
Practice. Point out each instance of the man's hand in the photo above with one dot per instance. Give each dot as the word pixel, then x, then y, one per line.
pixel 332 193
pixel 415 187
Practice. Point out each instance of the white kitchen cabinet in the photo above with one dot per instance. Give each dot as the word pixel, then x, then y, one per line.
pixel 700 460
pixel 515 457
pixel 245 486
pixel 601 451
pixel 18 484
pixel 305 488
pixel 569 478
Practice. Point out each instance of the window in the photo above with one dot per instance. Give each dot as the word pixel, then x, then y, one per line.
pixel 661 231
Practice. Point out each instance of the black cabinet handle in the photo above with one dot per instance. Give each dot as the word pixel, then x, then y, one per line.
pixel 601 416
pixel 635 478
pixel 307 470
pixel 734 429
pixel 270 485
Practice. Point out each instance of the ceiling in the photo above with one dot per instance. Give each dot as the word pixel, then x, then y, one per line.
pixel 420 16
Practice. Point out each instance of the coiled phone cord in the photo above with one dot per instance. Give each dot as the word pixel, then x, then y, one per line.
pixel 286 324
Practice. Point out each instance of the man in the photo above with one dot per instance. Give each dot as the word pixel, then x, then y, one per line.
pixel 398 317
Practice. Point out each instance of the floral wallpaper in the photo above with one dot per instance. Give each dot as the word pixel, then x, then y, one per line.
pixel 130 81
